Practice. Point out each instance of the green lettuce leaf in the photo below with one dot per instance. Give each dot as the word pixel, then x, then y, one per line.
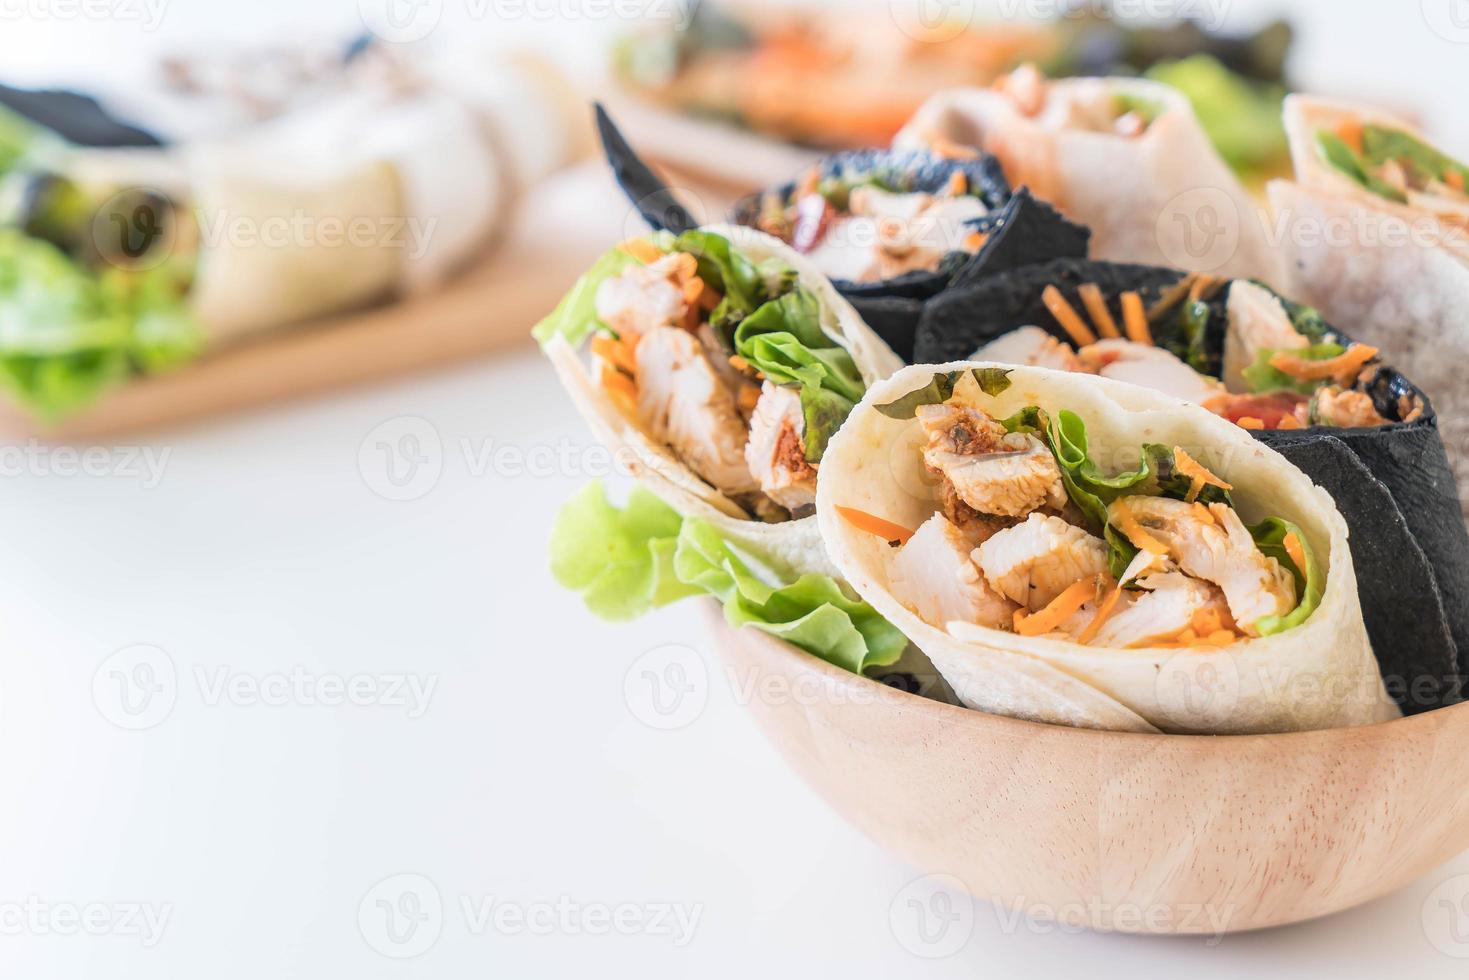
pixel 812 612
pixel 1270 537
pixel 1261 377
pixel 625 562
pixel 67 334
pixel 18 136
pixel 1335 151
pixel 1242 117
pixel 1089 488
pixel 940 388
pixel 620 560
pixel 1381 144
pixel 727 270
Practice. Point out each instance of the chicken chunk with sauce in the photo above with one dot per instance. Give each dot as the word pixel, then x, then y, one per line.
pixel 776 452
pixel 990 470
pixel 1035 561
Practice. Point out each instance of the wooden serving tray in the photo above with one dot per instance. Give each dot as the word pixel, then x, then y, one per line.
pixel 559 230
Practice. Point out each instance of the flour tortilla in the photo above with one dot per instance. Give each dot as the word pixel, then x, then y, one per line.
pixel 1162 198
pixel 790 546
pixel 1321 674
pixel 1391 274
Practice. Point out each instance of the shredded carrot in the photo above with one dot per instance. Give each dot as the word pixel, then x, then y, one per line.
pixel 1198 476
pixel 810 180
pixel 957 184
pixel 974 241
pixel 1350 131
pixel 1171 297
pixel 949 150
pixel 1058 610
pixel 1096 306
pixel 1455 180
pixel 1289 422
pixel 642 250
pixel 621 353
pixel 1104 610
pixel 1135 319
pixel 1067 316
pixel 693 291
pixel 749 398
pixel 1296 552
pixel 1343 368
pixel 1249 422
pixel 1206 621
pixel 620 388
pixel 1121 517
pixel 884 529
pixel 1202 513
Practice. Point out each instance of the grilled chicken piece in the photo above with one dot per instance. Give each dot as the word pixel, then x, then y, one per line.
pixel 1218 548
pixel 1257 321
pixel 885 234
pixel 682 401
pixel 977 527
pixel 643 298
pixel 1149 367
pixel 1164 610
pixel 776 453
pixel 1033 562
pixel 933 575
pixel 994 472
pixel 1345 409
pixel 1031 346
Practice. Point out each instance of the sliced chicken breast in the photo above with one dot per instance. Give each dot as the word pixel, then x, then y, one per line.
pixel 1257 321
pixel 1035 561
pixel 642 298
pixel 1148 367
pixel 933 575
pixel 1031 346
pixel 776 453
pixel 1213 544
pixel 1165 608
pixel 683 402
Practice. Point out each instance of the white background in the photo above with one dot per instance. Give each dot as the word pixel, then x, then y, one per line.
pixel 268 547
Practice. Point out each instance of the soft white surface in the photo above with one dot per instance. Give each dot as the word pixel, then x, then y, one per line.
pixel 530 777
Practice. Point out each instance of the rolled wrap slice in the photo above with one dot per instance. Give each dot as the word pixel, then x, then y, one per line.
pixel 681 405
pixel 1304 663
pixel 1374 444
pixel 1126 157
pixel 1376 236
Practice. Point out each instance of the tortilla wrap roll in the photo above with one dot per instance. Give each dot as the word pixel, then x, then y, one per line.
pixel 1028 610
pixel 1126 157
pixel 682 407
pixel 1387 256
pixel 1372 442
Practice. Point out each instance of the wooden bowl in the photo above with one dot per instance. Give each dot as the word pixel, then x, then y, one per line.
pixel 1116 831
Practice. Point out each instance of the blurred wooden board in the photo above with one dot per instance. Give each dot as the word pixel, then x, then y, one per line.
pixel 559 230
